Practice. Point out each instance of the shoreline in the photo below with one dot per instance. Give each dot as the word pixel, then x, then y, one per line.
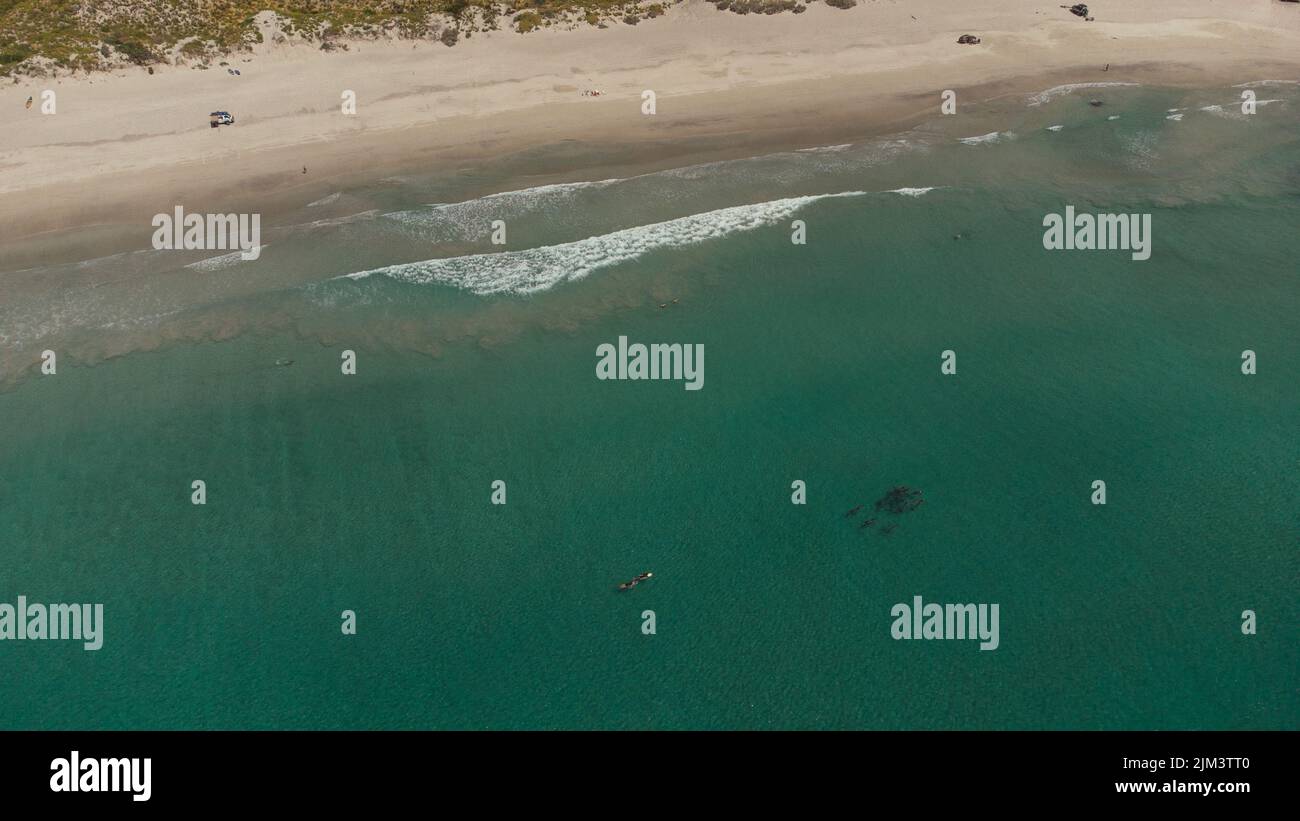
pixel 841 76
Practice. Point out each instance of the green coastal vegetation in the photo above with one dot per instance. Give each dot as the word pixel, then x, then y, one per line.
pixel 42 37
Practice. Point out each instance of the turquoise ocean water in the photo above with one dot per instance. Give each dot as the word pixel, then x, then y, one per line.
pixel 371 492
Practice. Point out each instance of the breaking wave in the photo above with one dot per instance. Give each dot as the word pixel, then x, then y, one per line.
pixel 460 220
pixel 1267 83
pixel 992 137
pixel 217 263
pixel 1045 96
pixel 1225 109
pixel 539 269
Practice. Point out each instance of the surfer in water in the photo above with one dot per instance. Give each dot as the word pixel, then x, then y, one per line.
pixel 635 582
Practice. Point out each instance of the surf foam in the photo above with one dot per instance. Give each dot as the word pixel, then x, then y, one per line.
pixel 1046 96
pixel 539 269
pixel 991 137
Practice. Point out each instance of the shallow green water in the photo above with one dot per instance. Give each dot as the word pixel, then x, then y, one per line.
pixel 371 492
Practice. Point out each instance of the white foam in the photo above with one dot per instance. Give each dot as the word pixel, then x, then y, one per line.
pixel 538 269
pixel 460 220
pixel 825 149
pixel 836 156
pixel 1175 117
pixel 325 200
pixel 1055 127
pixel 1113 117
pixel 223 261
pixel 1056 91
pixel 1267 83
pixel 463 221
pixel 911 192
pixel 992 137
pixel 1232 110
pixel 87 263
pixel 548 190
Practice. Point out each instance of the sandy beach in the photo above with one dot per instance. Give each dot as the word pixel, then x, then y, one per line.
pixel 130 144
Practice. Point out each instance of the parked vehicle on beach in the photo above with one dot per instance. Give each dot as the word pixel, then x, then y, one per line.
pixel 217 118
